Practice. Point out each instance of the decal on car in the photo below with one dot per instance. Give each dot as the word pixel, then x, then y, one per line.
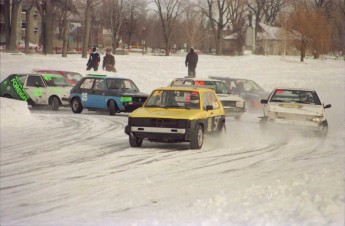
pixel 18 87
pixel 126 99
pixel 84 96
pixel 290 105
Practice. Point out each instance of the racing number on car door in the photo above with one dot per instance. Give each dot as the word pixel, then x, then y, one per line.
pixel 209 98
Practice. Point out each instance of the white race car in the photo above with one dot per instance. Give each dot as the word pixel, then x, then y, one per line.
pixel 296 107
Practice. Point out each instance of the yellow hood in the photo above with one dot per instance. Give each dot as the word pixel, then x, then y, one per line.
pixel 173 113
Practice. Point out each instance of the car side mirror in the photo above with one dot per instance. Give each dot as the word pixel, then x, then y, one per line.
pixel 263 101
pixel 327 106
pixel 209 107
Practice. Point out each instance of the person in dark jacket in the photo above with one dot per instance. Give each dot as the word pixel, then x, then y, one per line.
pixel 94 60
pixel 191 62
pixel 108 61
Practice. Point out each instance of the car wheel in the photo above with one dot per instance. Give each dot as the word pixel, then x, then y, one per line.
pixel 76 105
pixel 222 129
pixel 135 141
pixel 323 129
pixel 197 137
pixel 112 107
pixel 55 103
pixel 8 96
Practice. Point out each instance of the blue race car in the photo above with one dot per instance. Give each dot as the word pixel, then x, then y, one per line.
pixel 99 92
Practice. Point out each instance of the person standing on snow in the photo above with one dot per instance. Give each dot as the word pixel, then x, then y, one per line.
pixel 94 60
pixel 108 61
pixel 191 62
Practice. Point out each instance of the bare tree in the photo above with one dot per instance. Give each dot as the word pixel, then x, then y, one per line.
pixel 90 4
pixel 168 11
pixel 193 24
pixel 12 21
pixel 218 13
pixel 313 29
pixel 28 25
pixel 266 10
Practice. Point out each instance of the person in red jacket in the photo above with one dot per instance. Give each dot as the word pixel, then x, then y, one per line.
pixel 94 60
pixel 191 62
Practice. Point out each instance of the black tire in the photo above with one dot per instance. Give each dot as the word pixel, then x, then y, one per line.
pixel 8 96
pixel 323 129
pixel 222 129
pixel 76 105
pixel 197 137
pixel 55 103
pixel 112 107
pixel 135 142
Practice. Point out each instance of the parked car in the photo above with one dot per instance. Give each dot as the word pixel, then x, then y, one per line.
pixel 249 90
pixel 37 89
pixel 97 92
pixel 177 114
pixel 72 77
pixel 297 108
pixel 233 105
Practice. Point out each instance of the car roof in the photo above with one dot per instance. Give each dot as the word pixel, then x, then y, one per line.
pixel 183 88
pixel 229 78
pixel 103 76
pixel 300 89
pixel 198 79
pixel 50 70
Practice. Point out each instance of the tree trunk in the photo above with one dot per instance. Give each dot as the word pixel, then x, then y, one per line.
pixel 27 30
pixel 303 49
pixel 86 34
pixel 7 27
pixel 65 38
pixel 14 25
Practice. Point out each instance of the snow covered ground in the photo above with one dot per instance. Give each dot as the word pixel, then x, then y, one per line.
pixel 60 168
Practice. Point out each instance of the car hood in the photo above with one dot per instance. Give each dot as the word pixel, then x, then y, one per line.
pixel 172 113
pixel 229 97
pixel 296 108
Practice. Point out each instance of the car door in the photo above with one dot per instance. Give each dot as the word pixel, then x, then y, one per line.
pixel 36 88
pixel 92 93
pixel 214 115
pixel 97 94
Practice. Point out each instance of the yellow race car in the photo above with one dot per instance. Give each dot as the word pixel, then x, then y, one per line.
pixel 177 114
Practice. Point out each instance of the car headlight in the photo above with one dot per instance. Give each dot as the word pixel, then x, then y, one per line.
pixel 240 104
pixel 317 119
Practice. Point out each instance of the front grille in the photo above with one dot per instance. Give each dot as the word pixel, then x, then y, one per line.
pixel 159 122
pixel 290 116
pixel 229 103
pixel 139 99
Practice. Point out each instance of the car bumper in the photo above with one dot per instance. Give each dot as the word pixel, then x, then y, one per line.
pixel 158 134
pixel 301 124
pixel 231 111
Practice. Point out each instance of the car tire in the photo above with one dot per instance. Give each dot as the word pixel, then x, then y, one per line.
pixel 222 129
pixel 55 103
pixel 135 142
pixel 76 105
pixel 8 96
pixel 323 129
pixel 112 107
pixel 197 137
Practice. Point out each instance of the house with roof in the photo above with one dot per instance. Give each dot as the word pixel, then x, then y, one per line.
pixel 269 40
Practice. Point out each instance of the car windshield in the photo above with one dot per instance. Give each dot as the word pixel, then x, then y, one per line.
pixel 122 85
pixel 56 80
pixel 174 99
pixel 295 96
pixel 73 77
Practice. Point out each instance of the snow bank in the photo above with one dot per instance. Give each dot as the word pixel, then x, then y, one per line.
pixel 15 113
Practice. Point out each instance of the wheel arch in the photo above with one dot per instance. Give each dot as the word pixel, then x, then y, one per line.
pixel 51 98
